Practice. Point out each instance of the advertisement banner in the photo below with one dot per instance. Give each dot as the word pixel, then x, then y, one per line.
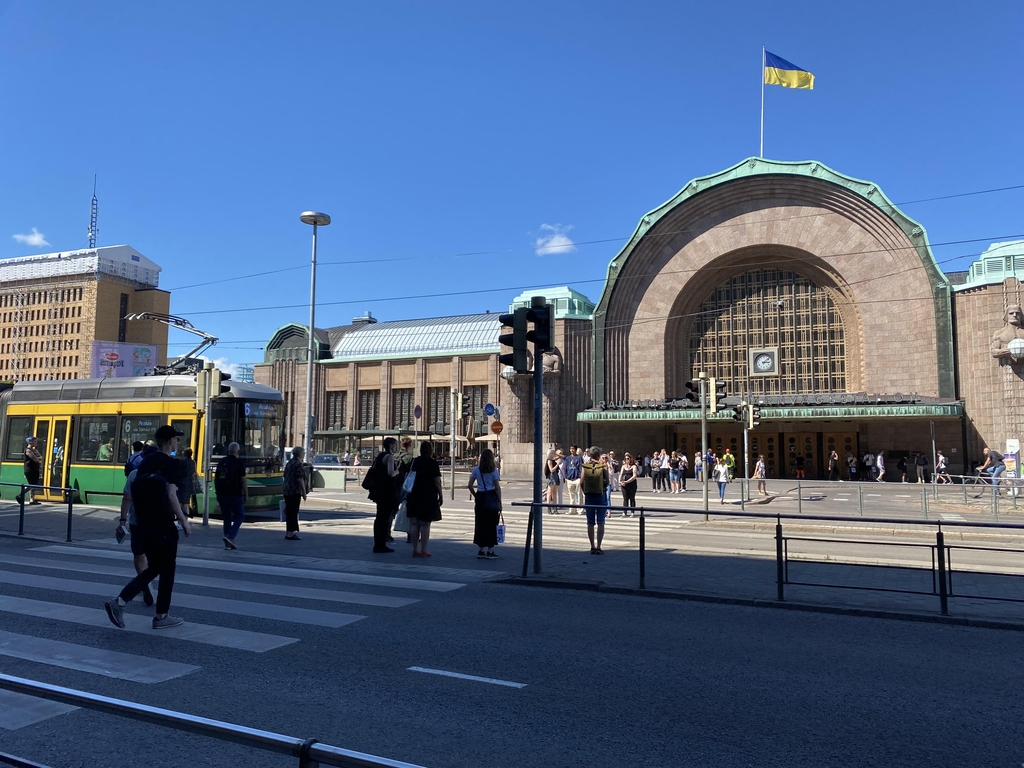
pixel 111 359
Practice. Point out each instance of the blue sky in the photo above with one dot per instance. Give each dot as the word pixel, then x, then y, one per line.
pixel 432 129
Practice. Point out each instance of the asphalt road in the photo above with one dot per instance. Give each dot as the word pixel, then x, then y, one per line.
pixel 609 680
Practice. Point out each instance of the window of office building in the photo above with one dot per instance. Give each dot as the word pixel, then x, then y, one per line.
pixel 401 408
pixel 438 405
pixel 336 406
pixel 369 408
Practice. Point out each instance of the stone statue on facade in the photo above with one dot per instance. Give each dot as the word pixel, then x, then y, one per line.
pixel 551 363
pixel 1013 329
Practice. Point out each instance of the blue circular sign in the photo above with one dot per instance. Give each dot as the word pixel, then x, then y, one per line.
pixel 489 410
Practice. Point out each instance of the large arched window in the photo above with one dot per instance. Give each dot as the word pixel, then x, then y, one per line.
pixel 770 309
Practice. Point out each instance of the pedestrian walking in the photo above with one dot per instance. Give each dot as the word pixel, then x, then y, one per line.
pixel 33 465
pixel 833 466
pixel 799 462
pixel 232 492
pixel 730 463
pixel 901 467
pixel 129 518
pixel 851 464
pixel 187 491
pixel 135 459
pixel 684 469
pixel 922 467
pixel 673 473
pixel 761 475
pixel 628 477
pixel 423 504
pixel 868 471
pixel 381 482
pixel 552 480
pixel 295 488
pixel 698 467
pixel 720 474
pixel 880 467
pixel 155 499
pixel 572 472
pixel 941 470
pixel 594 482
pixel 485 487
pixel 614 465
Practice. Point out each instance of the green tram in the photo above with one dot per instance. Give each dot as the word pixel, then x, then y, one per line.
pixel 85 429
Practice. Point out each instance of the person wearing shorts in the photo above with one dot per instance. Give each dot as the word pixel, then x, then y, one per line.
pixel 595 506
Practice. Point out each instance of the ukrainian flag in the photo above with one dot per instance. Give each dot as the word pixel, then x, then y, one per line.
pixel 778 71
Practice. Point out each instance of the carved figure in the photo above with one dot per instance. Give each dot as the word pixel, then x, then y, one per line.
pixel 552 363
pixel 1013 329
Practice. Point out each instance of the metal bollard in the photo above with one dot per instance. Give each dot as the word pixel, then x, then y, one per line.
pixel 799 499
pixel 940 551
pixel 860 499
pixel 924 500
pixel 21 512
pixel 963 485
pixel 71 510
pixel 779 573
pixel 526 553
pixel 643 550
pixel 995 502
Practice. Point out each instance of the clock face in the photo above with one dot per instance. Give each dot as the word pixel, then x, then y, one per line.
pixel 764 362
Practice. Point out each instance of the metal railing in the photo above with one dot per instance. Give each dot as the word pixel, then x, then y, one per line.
pixel 310 752
pixel 941 565
pixel 69 499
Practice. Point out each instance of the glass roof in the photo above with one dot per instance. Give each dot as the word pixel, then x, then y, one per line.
pixel 433 336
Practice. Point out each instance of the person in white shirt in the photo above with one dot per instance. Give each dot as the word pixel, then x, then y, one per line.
pixel 880 466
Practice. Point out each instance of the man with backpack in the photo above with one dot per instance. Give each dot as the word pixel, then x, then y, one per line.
pixel 594 480
pixel 232 492
pixel 155 501
pixel 135 459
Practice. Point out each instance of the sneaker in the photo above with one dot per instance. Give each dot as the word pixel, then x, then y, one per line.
pixel 491 555
pixel 481 555
pixel 115 613
pixel 147 595
pixel 229 544
pixel 382 550
pixel 167 621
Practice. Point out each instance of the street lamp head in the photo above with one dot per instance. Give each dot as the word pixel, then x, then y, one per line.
pixel 315 217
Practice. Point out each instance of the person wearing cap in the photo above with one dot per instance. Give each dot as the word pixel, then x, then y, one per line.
pixel 33 467
pixel 156 506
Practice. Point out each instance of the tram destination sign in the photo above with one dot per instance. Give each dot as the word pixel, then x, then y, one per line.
pixel 779 401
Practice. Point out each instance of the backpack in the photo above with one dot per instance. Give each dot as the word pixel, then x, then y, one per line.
pixel 150 500
pixel 593 478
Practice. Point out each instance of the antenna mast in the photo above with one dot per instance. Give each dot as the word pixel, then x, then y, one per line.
pixel 94 212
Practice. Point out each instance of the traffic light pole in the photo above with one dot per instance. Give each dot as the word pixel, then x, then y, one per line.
pixel 455 406
pixel 704 436
pixel 207 437
pixel 746 451
pixel 538 454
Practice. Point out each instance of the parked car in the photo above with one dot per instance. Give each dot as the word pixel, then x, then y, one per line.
pixel 327 461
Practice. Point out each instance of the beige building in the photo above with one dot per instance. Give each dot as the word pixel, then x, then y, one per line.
pixel 54 307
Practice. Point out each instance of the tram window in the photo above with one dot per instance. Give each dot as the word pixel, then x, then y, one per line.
pixel 179 390
pixel 185 427
pixel 18 428
pixel 97 437
pixel 141 428
pixel 148 391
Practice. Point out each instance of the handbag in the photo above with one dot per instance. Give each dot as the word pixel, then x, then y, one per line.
pixel 402 519
pixel 491 501
pixel 501 529
pixel 410 481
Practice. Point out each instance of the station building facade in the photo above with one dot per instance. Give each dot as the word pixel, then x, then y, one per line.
pixel 807 292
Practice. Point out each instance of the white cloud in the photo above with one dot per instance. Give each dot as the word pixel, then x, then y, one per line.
pixel 223 364
pixel 35 238
pixel 555 240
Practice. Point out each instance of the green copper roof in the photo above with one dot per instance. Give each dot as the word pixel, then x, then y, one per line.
pixel 568 303
pixel 1000 261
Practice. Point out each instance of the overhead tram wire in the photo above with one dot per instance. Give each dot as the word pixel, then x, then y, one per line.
pixel 639 276
pixel 585 242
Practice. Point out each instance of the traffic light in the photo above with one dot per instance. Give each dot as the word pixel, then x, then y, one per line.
pixel 216 385
pixel 540 315
pixel 753 416
pixel 467 406
pixel 516 340
pixel 739 413
pixel 693 391
pixel 716 389
pixel 202 387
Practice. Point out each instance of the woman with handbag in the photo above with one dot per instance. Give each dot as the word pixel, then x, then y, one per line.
pixel 295 488
pixel 423 504
pixel 552 480
pixel 485 488
pixel 628 481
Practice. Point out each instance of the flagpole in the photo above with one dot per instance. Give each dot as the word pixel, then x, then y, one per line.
pixel 761 154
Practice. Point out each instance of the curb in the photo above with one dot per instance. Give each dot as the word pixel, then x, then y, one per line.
pixel 697 597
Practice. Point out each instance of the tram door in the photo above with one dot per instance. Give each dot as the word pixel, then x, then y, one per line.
pixel 52 436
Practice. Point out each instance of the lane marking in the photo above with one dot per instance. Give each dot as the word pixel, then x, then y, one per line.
pixel 18 710
pixel 474 678
pixel 198 602
pixel 240 639
pixel 383 601
pixel 271 570
pixel 97 661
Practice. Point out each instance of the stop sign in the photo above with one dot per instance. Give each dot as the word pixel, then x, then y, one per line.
pixel 496 427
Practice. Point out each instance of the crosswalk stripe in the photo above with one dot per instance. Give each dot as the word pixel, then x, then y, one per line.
pixel 98 661
pixel 383 601
pixel 18 710
pixel 240 639
pixel 198 602
pixel 272 570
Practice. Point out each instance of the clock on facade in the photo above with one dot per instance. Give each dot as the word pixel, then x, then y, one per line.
pixel 764 362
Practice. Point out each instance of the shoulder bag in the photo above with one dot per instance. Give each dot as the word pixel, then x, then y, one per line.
pixel 491 501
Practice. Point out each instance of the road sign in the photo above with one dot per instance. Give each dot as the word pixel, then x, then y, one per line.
pixel 417 412
pixel 496 427
pixel 488 410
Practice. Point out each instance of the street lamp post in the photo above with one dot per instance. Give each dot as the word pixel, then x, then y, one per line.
pixel 317 219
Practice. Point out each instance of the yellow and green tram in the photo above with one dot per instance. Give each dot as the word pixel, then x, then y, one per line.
pixel 85 429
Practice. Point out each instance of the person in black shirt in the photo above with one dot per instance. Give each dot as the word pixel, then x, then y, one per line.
pixel 155 498
pixel 232 493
